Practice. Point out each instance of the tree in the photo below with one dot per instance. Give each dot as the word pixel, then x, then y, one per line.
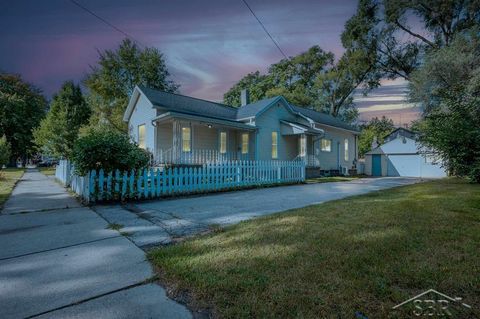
pixel 22 106
pixel 387 27
pixel 448 84
pixel 310 79
pixel 58 132
pixel 112 81
pixel 375 129
pixel 4 151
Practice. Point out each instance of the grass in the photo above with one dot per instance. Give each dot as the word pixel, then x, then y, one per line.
pixel 8 179
pixel 49 171
pixel 341 259
pixel 115 226
pixel 330 179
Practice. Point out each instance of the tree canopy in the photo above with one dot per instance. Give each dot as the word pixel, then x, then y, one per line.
pixel 118 71
pixel 22 106
pixel 310 79
pixel 400 33
pixel 58 132
pixel 448 84
pixel 375 129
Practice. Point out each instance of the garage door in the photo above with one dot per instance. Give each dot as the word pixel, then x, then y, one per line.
pixel 413 166
pixel 403 165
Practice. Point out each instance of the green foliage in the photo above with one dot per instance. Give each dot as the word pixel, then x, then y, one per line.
pixel 310 79
pixel 22 107
pixel 107 149
pixel 58 132
pixel 5 151
pixel 448 84
pixel 375 129
pixel 113 80
pixel 397 34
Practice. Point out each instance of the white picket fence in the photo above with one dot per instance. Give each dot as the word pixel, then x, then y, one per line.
pixel 65 173
pixel 159 182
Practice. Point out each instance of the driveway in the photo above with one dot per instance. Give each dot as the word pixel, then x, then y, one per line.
pixel 58 259
pixel 163 220
pixel 232 207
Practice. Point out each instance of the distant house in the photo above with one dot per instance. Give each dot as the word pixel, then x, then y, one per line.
pixel 402 155
pixel 182 130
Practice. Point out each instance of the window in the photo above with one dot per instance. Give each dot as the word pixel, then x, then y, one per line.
pixel 346 150
pixel 186 139
pixel 326 145
pixel 303 145
pixel 274 145
pixel 245 143
pixel 141 136
pixel 223 142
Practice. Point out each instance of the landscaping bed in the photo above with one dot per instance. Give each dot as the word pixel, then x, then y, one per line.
pixel 352 258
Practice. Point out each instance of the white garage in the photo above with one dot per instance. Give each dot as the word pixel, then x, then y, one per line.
pixel 401 155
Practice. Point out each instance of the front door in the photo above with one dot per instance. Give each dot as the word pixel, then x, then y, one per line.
pixel 376 165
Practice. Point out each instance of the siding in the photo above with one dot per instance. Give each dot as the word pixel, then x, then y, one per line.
pixel 165 135
pixel 205 138
pixel 143 113
pixel 328 160
pixel 268 122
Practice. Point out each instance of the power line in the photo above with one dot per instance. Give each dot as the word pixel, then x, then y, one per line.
pixel 106 22
pixel 265 29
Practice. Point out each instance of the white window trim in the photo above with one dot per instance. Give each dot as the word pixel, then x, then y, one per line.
pixel 190 139
pixel 321 147
pixel 245 151
pixel 303 145
pixel 144 136
pixel 346 150
pixel 276 145
pixel 220 142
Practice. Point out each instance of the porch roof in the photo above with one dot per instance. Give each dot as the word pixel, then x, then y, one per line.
pixel 291 128
pixel 205 119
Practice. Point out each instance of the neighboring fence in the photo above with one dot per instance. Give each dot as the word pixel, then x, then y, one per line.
pixel 64 172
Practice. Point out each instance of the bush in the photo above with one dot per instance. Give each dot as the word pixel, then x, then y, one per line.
pixel 108 150
pixel 5 151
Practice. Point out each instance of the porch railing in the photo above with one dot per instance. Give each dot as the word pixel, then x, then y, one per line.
pixel 310 160
pixel 196 157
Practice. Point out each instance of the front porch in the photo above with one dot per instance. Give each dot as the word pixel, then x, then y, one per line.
pixel 181 141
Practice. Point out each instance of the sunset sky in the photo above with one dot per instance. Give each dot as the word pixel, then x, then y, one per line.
pixel 208 45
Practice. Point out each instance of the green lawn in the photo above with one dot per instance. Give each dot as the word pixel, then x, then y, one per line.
pixel 49 171
pixel 362 254
pixel 8 178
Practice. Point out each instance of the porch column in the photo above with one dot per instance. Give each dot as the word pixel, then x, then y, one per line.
pixel 175 140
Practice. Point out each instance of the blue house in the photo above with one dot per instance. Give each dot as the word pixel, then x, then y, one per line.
pixel 183 130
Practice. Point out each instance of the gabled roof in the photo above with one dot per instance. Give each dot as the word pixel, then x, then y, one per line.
pixel 187 104
pixel 400 131
pixel 193 106
pixel 252 109
pixel 324 118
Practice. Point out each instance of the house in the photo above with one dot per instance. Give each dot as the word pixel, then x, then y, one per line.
pixel 402 155
pixel 184 130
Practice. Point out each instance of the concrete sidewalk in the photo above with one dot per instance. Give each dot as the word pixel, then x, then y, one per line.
pixel 58 259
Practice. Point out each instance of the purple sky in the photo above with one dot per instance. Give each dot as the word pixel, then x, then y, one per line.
pixel 208 45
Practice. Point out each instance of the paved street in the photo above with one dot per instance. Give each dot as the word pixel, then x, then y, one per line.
pixel 58 259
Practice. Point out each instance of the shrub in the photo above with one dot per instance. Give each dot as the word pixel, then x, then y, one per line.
pixel 5 151
pixel 109 150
